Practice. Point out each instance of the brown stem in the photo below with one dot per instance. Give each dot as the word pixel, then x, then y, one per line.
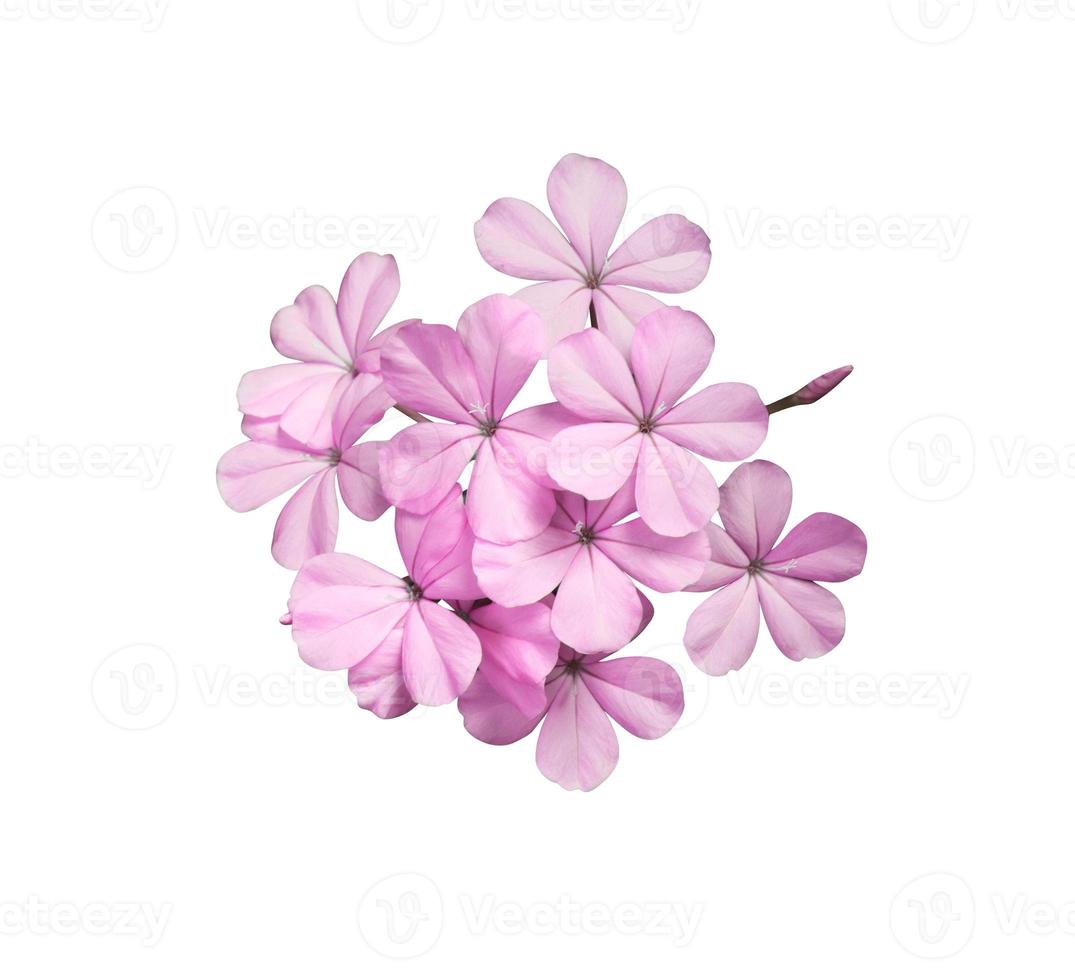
pixel 813 392
pixel 411 414
pixel 593 315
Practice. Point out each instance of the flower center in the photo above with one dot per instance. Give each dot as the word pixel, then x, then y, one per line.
pixel 414 590
pixel 486 424
pixel 585 534
pixel 649 423
pixel 754 567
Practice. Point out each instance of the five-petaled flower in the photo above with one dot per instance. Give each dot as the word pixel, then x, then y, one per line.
pixel 668 254
pixel 750 574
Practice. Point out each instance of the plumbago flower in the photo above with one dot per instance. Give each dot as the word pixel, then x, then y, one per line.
pixel 333 343
pixel 749 574
pixel 272 462
pixel 634 431
pixel 577 746
pixel 469 377
pixel 590 558
pixel 575 274
pixel 344 610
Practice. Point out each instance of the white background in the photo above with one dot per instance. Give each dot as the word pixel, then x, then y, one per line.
pixel 259 810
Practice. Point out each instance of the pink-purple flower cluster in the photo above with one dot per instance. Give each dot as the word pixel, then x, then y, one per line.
pixel 511 596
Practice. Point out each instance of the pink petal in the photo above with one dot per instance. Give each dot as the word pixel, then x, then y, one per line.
pixel 503 504
pixel 516 238
pixel 308 524
pixel 600 514
pixel 668 254
pixel 490 717
pixel 426 368
pixel 370 287
pixel 308 419
pixel 420 464
pixel 597 609
pixel 670 352
pixel 362 403
pixel 662 563
pixel 804 619
pixel 727 422
pixel 309 329
pixel 754 505
pixel 588 198
pixel 342 608
pixel 591 378
pixel 643 695
pixel 563 306
pixel 675 491
pixel 595 459
pixel 723 631
pixel 519 574
pixel 360 481
pixel 822 548
pixel 726 564
pixel 253 473
pixel 377 682
pixel 440 653
pixel 619 310
pixel 369 361
pixel 577 747
pixel 505 339
pixel 269 392
pixel 437 547
pixel 526 436
pixel 518 652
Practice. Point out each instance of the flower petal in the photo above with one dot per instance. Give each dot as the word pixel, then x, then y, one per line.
pixel 505 339
pixel 490 717
pixel 563 306
pixel 377 681
pixel 577 747
pixel 420 464
pixel 370 286
pixel 723 631
pixel 362 403
pixel 675 491
pixel 591 378
pixel 804 619
pixel 436 549
pixel 643 695
pixel 618 310
pixel 526 436
pixel 516 238
pixel 727 422
pixel 595 459
pixel 426 367
pixel 822 548
pixel 309 329
pixel 668 254
pixel 518 652
pixel 308 524
pixel 588 198
pixel 503 504
pixel 726 564
pixel 670 352
pixel 754 505
pixel 519 574
pixel 359 477
pixel 440 653
pixel 597 609
pixel 269 392
pixel 662 563
pixel 253 473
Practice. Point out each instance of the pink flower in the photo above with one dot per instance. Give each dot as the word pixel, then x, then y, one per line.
pixel 590 558
pixel 668 254
pixel 635 432
pixel 577 746
pixel 804 619
pixel 348 614
pixel 469 378
pixel 333 343
pixel 255 472
pixel 518 652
